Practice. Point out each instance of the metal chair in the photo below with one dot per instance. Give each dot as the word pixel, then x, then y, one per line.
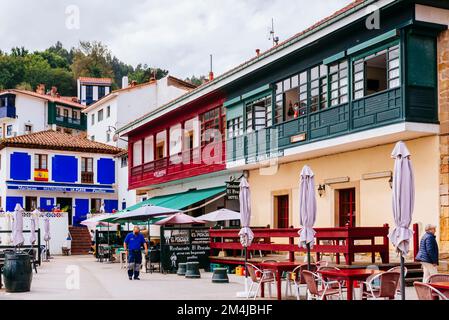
pixel 311 280
pixel 388 286
pixel 32 255
pixel 334 284
pixel 427 292
pixel 295 278
pixel 153 261
pixel 398 269
pixel 439 277
pixel 266 276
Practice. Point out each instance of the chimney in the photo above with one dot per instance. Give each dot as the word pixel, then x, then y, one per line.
pixel 211 73
pixel 125 82
pixel 40 89
pixel 257 52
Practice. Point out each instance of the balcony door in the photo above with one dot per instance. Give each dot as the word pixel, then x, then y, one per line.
pixel 347 207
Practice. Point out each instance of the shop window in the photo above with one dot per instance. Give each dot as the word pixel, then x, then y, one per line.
pixel 338 83
pixel 137 153
pixel 235 127
pixel 95 205
pixel 377 72
pixel 87 170
pixel 258 114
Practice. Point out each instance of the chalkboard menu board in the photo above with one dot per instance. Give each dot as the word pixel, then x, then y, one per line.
pixel 177 244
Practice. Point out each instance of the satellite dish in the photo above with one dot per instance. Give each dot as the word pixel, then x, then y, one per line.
pixel 115 138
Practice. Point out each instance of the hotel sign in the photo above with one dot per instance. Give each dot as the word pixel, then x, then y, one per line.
pixel 233 190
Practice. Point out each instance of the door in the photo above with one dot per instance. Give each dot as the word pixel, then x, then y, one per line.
pixel 30 204
pixel 65 204
pixel 347 207
pixel 282 212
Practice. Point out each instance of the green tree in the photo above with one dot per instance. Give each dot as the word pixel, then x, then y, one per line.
pixel 92 59
pixel 196 80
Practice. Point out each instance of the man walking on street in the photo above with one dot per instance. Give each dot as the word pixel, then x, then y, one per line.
pixel 428 253
pixel 133 245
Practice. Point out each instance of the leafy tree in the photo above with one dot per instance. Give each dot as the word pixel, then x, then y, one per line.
pixel 91 59
pixel 196 80
pixel 11 71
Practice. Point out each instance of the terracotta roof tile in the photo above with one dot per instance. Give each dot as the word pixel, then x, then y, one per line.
pixel 63 100
pixel 53 140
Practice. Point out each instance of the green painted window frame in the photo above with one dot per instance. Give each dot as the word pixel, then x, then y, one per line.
pixel 367 53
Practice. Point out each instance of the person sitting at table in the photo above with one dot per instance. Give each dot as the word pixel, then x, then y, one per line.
pixel 428 253
pixel 133 245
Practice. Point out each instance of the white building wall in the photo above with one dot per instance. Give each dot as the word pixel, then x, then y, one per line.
pixel 29 110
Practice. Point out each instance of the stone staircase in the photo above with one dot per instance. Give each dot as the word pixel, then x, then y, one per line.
pixel 81 241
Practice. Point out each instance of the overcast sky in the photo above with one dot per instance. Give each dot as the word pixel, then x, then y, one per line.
pixel 178 35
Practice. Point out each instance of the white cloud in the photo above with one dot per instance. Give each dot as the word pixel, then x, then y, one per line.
pixel 177 35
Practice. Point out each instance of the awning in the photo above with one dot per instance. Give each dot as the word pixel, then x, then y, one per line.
pixel 180 201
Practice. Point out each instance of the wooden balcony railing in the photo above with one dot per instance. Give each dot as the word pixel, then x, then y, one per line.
pixel 87 177
pixel 177 164
pixel 339 241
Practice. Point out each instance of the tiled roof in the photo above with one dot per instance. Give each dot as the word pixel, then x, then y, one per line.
pixel 95 80
pixel 62 100
pixel 297 36
pixel 53 140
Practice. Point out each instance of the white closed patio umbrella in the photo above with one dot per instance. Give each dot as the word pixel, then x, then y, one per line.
pixel 47 235
pixel 307 210
pixel 246 234
pixel 17 228
pixel 403 205
pixel 33 223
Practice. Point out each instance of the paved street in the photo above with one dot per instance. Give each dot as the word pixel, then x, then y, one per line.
pixel 107 281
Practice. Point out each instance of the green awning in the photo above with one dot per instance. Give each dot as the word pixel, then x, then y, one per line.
pixel 180 201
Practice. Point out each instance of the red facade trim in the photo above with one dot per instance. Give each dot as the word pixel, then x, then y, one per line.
pixel 167 170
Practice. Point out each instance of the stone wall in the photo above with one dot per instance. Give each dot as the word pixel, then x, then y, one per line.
pixel 443 83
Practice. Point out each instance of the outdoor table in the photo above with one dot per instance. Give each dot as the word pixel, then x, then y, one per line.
pixel 441 286
pixel 279 268
pixel 350 276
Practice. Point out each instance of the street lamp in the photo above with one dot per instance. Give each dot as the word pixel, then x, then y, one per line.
pixel 321 190
pixel 116 137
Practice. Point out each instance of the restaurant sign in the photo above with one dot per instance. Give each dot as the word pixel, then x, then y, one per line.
pixel 177 244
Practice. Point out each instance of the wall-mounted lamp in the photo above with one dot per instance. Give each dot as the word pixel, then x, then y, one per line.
pixel 321 190
pixel 116 137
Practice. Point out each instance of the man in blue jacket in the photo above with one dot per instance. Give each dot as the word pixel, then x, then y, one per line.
pixel 428 253
pixel 133 246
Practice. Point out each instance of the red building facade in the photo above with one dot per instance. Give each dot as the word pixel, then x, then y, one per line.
pixel 184 143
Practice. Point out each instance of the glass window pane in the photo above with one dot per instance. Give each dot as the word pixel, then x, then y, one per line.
pixel 323 70
pixel 303 77
pixel 314 73
pixel 394 73
pixel 394 64
pixel 287 85
pixel 295 81
pixel 394 83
